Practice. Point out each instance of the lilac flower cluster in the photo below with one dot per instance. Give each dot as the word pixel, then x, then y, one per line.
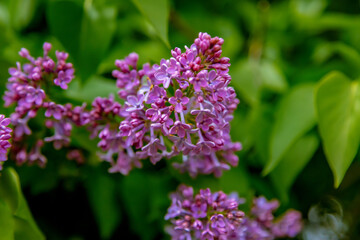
pixel 216 216
pixel 4 138
pixel 26 90
pixel 183 106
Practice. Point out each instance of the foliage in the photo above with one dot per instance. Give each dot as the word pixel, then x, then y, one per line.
pixel 295 67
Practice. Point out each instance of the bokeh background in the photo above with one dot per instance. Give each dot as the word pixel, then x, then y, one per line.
pixel 279 50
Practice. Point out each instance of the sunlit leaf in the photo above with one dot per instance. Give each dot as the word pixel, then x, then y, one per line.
pixel 307 8
pixel 272 77
pixel 158 13
pixel 24 226
pixel 246 79
pixel 97 29
pixel 337 101
pixel 293 118
pixel 250 76
pixel 22 12
pixel 6 222
pixel 85 31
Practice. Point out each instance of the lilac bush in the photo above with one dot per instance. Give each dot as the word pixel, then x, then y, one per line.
pixel 180 107
pixel 208 215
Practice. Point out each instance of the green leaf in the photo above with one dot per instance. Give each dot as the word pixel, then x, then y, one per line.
pixel 101 189
pixel 24 226
pixel 97 29
pixel 263 119
pixel 24 230
pixel 246 80
pixel 96 87
pixel 10 189
pixel 6 222
pixel 307 8
pixel 250 76
pixel 337 101
pixel 146 200
pixel 157 12
pixel 85 31
pixel 236 179
pixel 293 118
pixel 326 50
pixel 294 160
pixel 22 12
pixel 66 28
pixel 272 77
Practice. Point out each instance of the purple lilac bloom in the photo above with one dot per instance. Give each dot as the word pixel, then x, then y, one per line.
pixel 26 90
pixel 216 215
pixel 4 138
pixel 184 101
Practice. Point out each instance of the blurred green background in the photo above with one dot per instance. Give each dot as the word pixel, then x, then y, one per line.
pixel 283 56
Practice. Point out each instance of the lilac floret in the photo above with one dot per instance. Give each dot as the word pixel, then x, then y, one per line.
pixel 179 100
pixel 64 78
pixel 4 138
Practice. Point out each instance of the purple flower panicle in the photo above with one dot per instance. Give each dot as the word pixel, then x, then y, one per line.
pixel 186 102
pixel 208 215
pixel 26 90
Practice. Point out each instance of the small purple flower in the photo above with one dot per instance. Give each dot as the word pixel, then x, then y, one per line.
pixel 122 165
pixel 135 103
pixel 153 146
pixel 174 210
pixel 55 110
pixel 204 147
pixel 182 144
pixel 64 78
pixel 188 58
pixel 217 223
pixel 180 129
pixel 35 154
pixel 156 93
pixel 4 122
pixel 20 126
pixel 263 209
pixel 153 113
pixel 165 73
pixel 179 101
pixel 289 225
pixel 202 114
pixel 4 138
pixel 62 133
pixel 33 95
pixel 199 209
pixel 200 80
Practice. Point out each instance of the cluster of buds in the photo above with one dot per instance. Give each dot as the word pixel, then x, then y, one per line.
pixel 216 216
